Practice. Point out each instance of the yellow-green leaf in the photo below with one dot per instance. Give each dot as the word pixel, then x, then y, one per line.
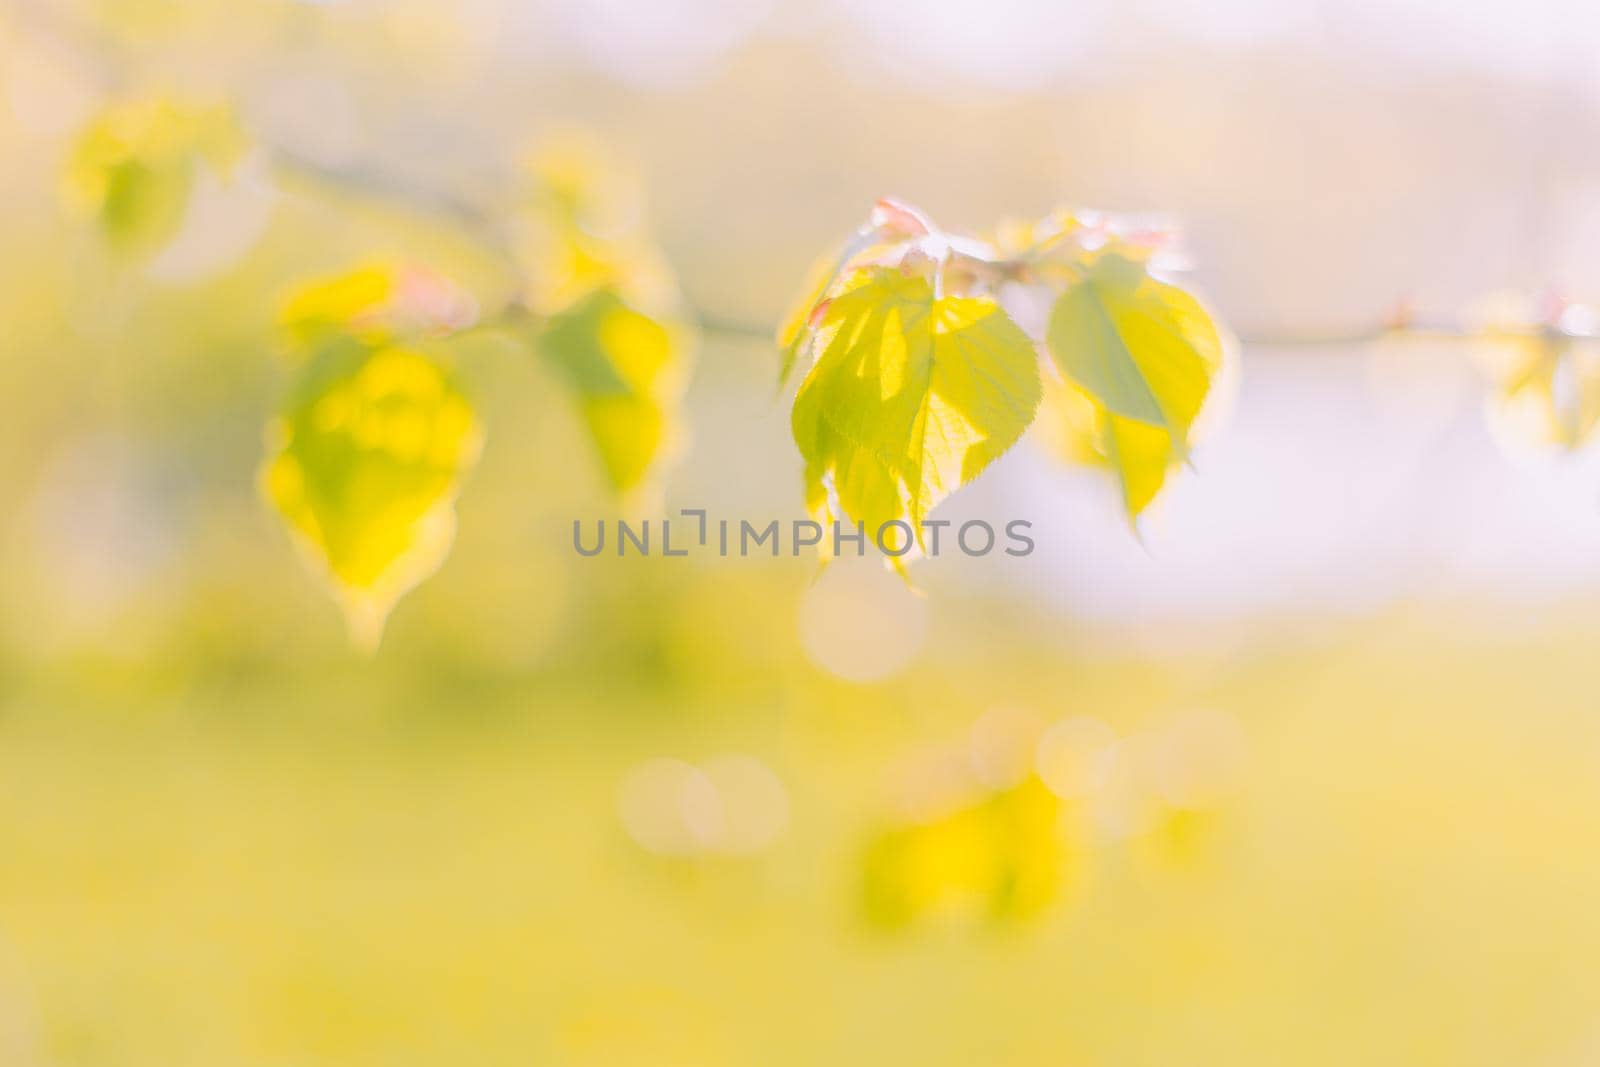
pixel 133 167
pixel 581 231
pixel 363 466
pixel 792 332
pixel 1549 393
pixel 795 331
pixel 606 305
pixel 912 396
pixel 1140 358
pixel 373 304
pixel 348 303
pixel 1000 856
pixel 627 370
pixel 1143 349
pixel 1078 429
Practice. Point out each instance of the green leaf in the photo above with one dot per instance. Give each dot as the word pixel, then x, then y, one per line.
pixel 913 395
pixel 1552 395
pixel 1140 455
pixel 627 370
pixel 1143 349
pixel 133 167
pixel 1140 357
pixel 363 467
pixel 1078 429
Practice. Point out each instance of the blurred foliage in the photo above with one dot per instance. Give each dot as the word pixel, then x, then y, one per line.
pixel 606 308
pixel 368 457
pixel 337 866
pixel 365 463
pixel 622 365
pixel 133 168
pixel 365 466
pixel 1558 385
pixel 999 855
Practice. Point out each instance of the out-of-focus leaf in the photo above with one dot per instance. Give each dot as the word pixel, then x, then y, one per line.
pixel 582 232
pixel 371 304
pixel 1139 357
pixel 349 303
pixel 133 168
pixel 363 466
pixel 573 179
pixel 627 370
pixel 1560 389
pixel 606 308
pixel 1000 856
pixel 564 266
pixel 912 396
pixel 1543 354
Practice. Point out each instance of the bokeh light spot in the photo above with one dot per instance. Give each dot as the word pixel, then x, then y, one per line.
pixel 861 623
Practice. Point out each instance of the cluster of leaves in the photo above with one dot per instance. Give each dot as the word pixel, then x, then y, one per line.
pixel 926 357
pixel 920 370
pixel 368 457
pixel 375 436
pixel 923 355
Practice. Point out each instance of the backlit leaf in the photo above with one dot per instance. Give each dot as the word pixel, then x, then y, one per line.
pixel 1144 349
pixel 1551 395
pixel 363 467
pixel 793 332
pixel 627 370
pixel 350 303
pixel 1139 357
pixel 582 231
pixel 1544 356
pixel 133 168
pixel 1078 429
pixel 606 308
pixel 373 303
pixel 911 397
pixel 566 265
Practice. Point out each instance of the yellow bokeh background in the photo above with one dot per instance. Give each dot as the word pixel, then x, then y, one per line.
pixel 1310 774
